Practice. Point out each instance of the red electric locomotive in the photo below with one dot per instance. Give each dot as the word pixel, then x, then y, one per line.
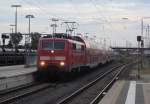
pixel 65 54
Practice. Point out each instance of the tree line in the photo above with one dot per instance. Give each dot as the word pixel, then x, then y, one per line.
pixel 16 38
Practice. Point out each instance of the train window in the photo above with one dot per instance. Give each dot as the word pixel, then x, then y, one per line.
pixel 59 45
pixel 47 45
pixel 73 46
pixel 53 45
pixel 78 47
pixel 82 48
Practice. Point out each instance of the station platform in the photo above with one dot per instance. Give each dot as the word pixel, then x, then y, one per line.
pixel 128 92
pixel 16 70
pixel 13 76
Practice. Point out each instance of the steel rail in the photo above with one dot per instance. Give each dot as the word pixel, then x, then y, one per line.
pixel 101 94
pixel 77 92
pixel 11 90
pixel 30 92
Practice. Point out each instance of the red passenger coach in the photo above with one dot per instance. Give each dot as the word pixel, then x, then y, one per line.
pixel 59 54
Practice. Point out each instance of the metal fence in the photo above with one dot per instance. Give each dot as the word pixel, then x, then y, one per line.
pixel 30 59
pixel 11 58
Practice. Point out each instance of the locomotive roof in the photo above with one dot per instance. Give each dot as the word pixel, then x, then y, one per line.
pixel 65 36
pixel 70 40
pixel 90 43
pixel 93 44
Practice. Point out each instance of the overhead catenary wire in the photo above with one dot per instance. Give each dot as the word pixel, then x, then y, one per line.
pixel 78 11
pixel 95 4
pixel 46 12
pixel 42 10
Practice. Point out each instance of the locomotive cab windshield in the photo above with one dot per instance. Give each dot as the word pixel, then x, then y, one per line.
pixel 53 45
pixel 52 53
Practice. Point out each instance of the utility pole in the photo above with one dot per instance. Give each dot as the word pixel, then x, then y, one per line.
pixel 74 30
pixel 105 43
pixel 70 27
pixel 12 28
pixel 16 6
pixel 12 31
pixel 148 37
pixel 54 25
pixel 142 27
pixel 142 52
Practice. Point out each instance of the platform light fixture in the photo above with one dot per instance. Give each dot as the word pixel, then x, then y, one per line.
pixel 16 14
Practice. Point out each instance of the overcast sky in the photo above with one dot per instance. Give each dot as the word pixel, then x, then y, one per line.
pixel 100 18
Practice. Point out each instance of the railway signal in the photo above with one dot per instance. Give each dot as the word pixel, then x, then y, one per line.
pixel 139 40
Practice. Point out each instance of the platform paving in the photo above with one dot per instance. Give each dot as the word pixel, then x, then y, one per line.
pixel 13 76
pixel 10 71
pixel 128 92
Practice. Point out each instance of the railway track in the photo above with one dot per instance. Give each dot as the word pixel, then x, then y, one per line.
pixel 11 90
pixel 95 89
pixel 23 91
pixel 15 95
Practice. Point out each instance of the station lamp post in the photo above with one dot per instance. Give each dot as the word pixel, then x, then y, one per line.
pixel 29 34
pixel 16 6
pixel 29 17
pixel 125 18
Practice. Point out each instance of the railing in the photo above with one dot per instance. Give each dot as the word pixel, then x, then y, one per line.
pixel 12 58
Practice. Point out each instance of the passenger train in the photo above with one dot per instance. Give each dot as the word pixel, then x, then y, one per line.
pixel 62 53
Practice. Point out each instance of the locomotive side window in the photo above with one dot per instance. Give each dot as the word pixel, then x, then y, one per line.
pixel 58 45
pixel 73 46
pixel 78 46
pixel 82 48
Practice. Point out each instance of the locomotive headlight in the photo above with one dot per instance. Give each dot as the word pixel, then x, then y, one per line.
pixel 52 51
pixel 62 63
pixel 42 63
